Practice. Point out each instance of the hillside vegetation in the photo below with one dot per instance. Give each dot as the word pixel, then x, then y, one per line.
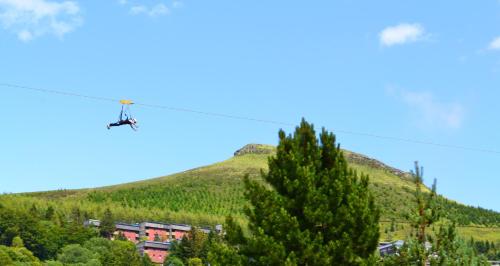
pixel 206 195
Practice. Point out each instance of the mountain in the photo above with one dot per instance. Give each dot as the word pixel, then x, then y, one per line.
pixel 206 195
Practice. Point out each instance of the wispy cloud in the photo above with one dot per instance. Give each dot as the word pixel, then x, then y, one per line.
pixel 138 9
pixel 160 9
pixel 177 4
pixel 30 19
pixel 495 44
pixel 401 34
pixel 429 110
pixel 154 11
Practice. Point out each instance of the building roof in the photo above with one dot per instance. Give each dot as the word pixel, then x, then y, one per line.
pixel 92 222
pixel 128 227
pixel 155 245
pixel 149 224
pixel 205 230
pixel 180 227
pixel 218 227
pixel 154 225
pixel 397 244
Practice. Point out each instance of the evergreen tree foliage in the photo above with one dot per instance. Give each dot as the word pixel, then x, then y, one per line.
pixel 5 258
pixel 124 253
pixel 489 249
pixel 34 211
pixel 43 238
pixel 173 261
pixel 449 249
pixel 17 242
pixel 192 245
pixel 313 209
pixel 226 251
pixel 53 263
pixel 116 253
pixel 444 248
pixel 49 213
pixel 122 237
pixel 28 241
pixel 18 256
pixel 77 216
pixel 76 254
pixel 146 261
pixel 101 247
pixel 426 214
pixel 195 262
pixel 107 227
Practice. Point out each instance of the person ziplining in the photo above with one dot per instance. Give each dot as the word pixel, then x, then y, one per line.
pixel 125 116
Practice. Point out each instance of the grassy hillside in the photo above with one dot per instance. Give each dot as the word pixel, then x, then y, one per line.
pixel 207 194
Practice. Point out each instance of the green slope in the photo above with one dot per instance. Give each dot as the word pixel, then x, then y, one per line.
pixel 207 194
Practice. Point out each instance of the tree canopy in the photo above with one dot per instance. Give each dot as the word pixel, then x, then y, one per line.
pixel 312 209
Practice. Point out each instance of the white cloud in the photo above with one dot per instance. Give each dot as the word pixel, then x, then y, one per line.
pixel 139 9
pixel 431 112
pixel 495 44
pixel 401 34
pixel 154 11
pixel 29 19
pixel 25 35
pixel 158 10
pixel 177 4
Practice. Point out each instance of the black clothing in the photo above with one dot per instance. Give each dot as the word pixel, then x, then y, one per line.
pixel 120 123
pixel 129 122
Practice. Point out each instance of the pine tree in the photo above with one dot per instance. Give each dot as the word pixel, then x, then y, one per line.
pixel 34 211
pixel 146 261
pixel 49 214
pixel 449 249
pixel 446 248
pixel 313 209
pixel 121 237
pixel 393 225
pixel 427 213
pixel 76 216
pixel 17 242
pixel 107 226
pixel 193 245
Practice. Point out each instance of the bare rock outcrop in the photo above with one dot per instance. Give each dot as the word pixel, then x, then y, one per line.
pixel 351 157
pixel 255 149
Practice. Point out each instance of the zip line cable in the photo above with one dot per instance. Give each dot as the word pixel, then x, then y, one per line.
pixel 222 115
pixel 72 94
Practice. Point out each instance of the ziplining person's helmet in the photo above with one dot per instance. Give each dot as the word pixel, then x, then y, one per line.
pixel 134 120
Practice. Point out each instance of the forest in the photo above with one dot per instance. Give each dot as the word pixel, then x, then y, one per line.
pixel 46 228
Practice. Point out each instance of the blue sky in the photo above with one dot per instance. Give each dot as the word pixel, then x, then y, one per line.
pixel 426 70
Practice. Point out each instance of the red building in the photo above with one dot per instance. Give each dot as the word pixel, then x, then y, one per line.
pixel 152 238
pixel 161 232
pixel 130 231
pixel 152 231
pixel 177 231
pixel 157 251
